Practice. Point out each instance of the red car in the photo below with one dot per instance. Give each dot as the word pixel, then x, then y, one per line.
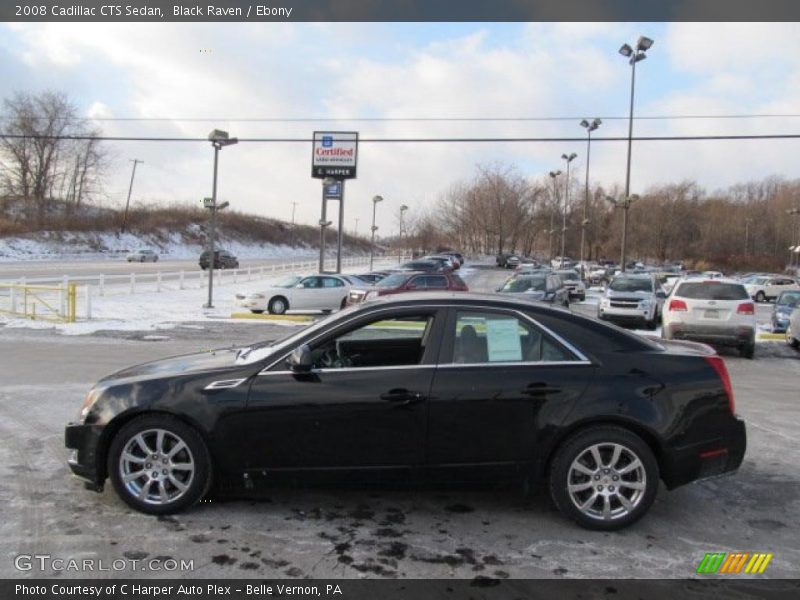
pixel 413 281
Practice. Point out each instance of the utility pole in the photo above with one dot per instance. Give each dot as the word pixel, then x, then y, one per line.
pixel 355 232
pixel 294 206
pixel 135 162
pixel 553 175
pixel 569 159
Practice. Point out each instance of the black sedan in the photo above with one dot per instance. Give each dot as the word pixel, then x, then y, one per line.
pixel 454 387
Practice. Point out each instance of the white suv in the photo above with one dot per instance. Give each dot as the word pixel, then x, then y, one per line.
pixel 715 311
pixel 768 287
pixel 631 299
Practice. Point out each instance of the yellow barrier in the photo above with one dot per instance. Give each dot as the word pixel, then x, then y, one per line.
pixel 37 301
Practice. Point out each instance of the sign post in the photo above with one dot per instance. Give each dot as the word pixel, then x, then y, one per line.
pixel 334 158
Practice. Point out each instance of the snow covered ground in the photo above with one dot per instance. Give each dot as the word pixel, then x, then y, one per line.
pixel 96 246
pixel 156 311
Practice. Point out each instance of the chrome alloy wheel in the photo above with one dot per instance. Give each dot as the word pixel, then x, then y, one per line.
pixel 606 481
pixel 156 466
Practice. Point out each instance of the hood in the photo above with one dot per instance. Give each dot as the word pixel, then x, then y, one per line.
pixel 623 295
pixel 176 365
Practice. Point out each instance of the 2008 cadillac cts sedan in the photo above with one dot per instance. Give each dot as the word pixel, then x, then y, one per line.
pixel 440 386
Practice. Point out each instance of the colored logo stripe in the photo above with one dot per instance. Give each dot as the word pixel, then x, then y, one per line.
pixel 758 563
pixel 711 562
pixel 720 562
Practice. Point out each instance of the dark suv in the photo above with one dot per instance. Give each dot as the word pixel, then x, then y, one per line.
pixel 222 260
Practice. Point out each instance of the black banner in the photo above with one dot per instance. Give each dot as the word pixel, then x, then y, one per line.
pixel 480 588
pixel 399 10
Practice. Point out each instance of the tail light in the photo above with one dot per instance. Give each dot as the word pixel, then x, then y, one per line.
pixel 718 365
pixel 677 305
pixel 747 308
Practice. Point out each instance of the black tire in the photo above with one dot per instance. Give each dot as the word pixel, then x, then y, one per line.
pixel 748 350
pixel 760 297
pixel 198 484
pixel 257 312
pixel 652 325
pixel 343 304
pixel 278 305
pixel 580 443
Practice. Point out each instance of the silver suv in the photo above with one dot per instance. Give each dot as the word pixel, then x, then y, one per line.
pixel 632 299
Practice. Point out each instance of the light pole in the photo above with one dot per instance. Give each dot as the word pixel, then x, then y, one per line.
pixel 355 231
pixel 795 212
pixel 624 204
pixel 746 236
pixel 643 44
pixel 374 228
pixel 553 176
pixel 569 159
pixel 135 162
pixel 294 206
pixel 218 139
pixel 403 209
pixel 590 127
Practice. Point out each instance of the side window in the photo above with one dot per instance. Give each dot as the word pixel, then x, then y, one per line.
pixel 310 282
pixel 331 282
pixel 417 283
pixel 485 338
pixel 436 282
pixel 386 342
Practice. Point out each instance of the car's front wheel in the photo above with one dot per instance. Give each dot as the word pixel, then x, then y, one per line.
pixel 278 306
pixel 159 465
pixel 604 478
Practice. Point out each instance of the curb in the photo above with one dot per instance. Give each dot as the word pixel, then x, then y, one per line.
pixel 770 336
pixel 267 317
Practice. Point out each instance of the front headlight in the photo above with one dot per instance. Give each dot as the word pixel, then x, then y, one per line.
pixel 604 302
pixel 88 402
pixel 645 303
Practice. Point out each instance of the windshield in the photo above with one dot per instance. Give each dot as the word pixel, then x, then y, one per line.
pixel 568 275
pixel 523 284
pixel 288 282
pixel 790 299
pixel 702 290
pixel 392 281
pixel 631 284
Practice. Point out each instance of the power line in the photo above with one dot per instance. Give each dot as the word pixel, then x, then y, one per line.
pixel 435 140
pixel 406 119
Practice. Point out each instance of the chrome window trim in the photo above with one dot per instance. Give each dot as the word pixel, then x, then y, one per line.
pixel 224 384
pixel 582 358
pixel 534 363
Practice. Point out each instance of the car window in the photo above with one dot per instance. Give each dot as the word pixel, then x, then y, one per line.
pixel 701 290
pixel 384 342
pixel 484 338
pixel 790 299
pixel 436 282
pixel 310 282
pixel 332 282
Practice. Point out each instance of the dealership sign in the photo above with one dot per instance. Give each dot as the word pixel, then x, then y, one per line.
pixel 335 154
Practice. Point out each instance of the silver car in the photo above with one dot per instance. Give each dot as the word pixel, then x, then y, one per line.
pixel 793 329
pixel 143 255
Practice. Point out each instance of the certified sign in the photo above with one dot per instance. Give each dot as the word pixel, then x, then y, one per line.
pixel 335 154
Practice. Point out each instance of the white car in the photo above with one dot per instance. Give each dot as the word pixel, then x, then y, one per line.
pixel 143 255
pixel 715 311
pixel 572 281
pixel 769 287
pixel 325 292
pixel 632 299
pixel 712 275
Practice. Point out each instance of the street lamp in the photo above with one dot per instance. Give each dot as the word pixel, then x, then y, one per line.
pixel 403 209
pixel 624 204
pixel 590 127
pixel 219 139
pixel 795 212
pixel 553 176
pixel 569 159
pixel 375 200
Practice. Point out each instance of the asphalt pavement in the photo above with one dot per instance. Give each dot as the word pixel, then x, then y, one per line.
pixel 372 532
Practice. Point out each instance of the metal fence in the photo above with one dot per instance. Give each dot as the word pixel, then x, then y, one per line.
pixel 40 302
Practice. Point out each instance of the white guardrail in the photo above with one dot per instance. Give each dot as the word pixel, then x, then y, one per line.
pixel 159 281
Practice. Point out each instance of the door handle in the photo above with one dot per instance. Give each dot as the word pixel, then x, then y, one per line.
pixel 401 396
pixel 540 389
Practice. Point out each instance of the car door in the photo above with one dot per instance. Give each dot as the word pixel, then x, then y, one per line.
pixel 502 379
pixel 332 293
pixel 363 405
pixel 305 294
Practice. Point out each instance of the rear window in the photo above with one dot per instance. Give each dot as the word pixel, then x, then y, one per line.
pixel 700 290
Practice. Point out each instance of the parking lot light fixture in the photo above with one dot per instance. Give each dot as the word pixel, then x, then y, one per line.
pixel 553 176
pixel 643 44
pixel 590 127
pixel 219 139
pixel 375 200
pixel 569 158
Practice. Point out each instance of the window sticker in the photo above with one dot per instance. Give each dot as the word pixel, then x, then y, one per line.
pixel 503 340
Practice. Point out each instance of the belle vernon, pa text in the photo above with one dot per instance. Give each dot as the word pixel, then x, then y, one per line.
pixel 170 591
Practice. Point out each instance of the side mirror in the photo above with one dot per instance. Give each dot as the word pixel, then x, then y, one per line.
pixel 299 360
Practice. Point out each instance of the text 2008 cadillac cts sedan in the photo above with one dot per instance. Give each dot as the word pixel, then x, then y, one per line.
pixel 445 386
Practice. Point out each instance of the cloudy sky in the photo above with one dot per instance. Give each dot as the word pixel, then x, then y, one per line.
pixel 223 72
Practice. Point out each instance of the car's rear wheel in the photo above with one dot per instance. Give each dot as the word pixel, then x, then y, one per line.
pixel 790 339
pixel 761 297
pixel 748 350
pixel 278 305
pixel 159 465
pixel 604 478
